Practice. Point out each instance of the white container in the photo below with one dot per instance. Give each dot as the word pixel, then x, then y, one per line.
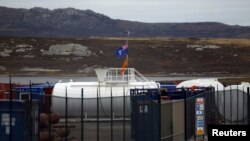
pixel 120 85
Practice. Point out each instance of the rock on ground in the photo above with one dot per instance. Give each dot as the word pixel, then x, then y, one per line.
pixel 2 68
pixel 68 49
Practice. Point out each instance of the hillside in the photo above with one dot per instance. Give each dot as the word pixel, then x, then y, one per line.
pixel 151 56
pixel 70 22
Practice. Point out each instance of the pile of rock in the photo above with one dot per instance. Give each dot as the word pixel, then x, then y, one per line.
pixel 202 47
pixel 68 49
pixel 2 68
pixel 55 134
pixel 5 53
pixel 23 48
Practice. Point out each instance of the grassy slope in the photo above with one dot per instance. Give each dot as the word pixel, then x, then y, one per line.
pixel 151 56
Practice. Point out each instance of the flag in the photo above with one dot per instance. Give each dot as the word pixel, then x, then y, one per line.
pixel 122 51
pixel 124 65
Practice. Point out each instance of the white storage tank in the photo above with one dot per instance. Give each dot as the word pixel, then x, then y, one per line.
pixel 108 79
pixel 202 83
pixel 235 96
pixel 235 106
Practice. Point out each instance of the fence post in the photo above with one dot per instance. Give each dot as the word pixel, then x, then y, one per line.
pixel 143 114
pixel 124 112
pixel 237 105
pixel 243 106
pixel 97 113
pixel 185 113
pixel 82 123
pixel 111 114
pixel 218 105
pixel 10 108
pixel 49 120
pixel 159 115
pixel 30 111
pixel 231 102
pixel 66 111
pixel 248 103
pixel 224 107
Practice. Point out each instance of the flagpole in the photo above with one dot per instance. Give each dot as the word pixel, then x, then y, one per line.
pixel 123 48
pixel 128 33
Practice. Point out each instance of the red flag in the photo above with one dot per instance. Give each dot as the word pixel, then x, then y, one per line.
pixel 124 65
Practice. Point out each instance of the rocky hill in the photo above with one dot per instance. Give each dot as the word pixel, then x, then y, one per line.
pixel 70 22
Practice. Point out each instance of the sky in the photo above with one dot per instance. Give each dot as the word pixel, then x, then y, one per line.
pixel 232 12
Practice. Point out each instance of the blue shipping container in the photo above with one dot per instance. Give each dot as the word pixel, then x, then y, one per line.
pixel 23 121
pixel 36 91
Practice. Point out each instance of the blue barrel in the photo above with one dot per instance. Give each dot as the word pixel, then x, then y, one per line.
pixel 23 127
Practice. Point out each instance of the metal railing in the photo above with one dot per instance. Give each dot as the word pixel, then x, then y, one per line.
pixel 130 75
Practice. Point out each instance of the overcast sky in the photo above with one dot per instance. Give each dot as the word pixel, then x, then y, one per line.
pixel 226 11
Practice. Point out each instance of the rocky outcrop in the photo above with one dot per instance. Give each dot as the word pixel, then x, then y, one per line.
pixel 5 53
pixel 202 47
pixel 68 49
pixel 23 48
pixel 2 68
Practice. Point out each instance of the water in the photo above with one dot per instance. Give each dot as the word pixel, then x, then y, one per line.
pixel 44 79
